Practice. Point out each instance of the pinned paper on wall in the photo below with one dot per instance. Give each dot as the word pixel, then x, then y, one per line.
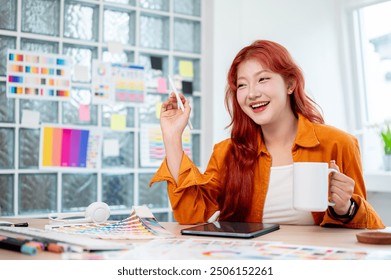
pixel 84 113
pixel 67 147
pixel 111 148
pixel 186 68
pixel 129 83
pixel 115 47
pixel 118 122
pixel 30 118
pixel 152 151
pixel 81 73
pixel 41 76
pixel 161 85
pixel 102 85
pixel 158 109
pixel 114 82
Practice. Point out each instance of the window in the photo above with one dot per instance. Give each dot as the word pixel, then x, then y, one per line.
pixel 371 26
pixel 169 30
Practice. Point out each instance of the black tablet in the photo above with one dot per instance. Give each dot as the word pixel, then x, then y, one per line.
pixel 231 229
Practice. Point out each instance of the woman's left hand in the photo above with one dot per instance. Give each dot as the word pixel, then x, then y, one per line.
pixel 341 189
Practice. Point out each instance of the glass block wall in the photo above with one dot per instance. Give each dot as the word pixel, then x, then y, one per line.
pixel 83 30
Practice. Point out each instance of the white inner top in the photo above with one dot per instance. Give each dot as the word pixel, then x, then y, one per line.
pixel 279 199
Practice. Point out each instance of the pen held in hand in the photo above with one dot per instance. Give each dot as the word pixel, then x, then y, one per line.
pixel 180 104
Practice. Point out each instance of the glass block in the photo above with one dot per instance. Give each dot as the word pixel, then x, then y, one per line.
pixel 145 60
pixel 8 14
pixel 188 7
pixel 78 191
pixel 125 157
pixel 7 140
pixel 151 74
pixel 154 31
pixel 117 109
pixel 196 110
pixel 118 190
pixel 7 106
pixel 124 57
pixel 37 193
pixel 7 195
pixel 28 148
pixel 155 196
pixel 39 46
pixel 81 56
pixel 126 2
pixel 196 149
pixel 71 110
pixel 187 36
pixel 196 79
pixel 48 109
pixel 119 26
pixel 81 21
pixel 41 17
pixel 161 5
pixel 148 112
pixel 5 44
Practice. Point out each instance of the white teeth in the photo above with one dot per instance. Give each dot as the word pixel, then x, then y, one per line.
pixel 259 105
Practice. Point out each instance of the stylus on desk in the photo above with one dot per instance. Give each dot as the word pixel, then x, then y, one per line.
pixel 180 104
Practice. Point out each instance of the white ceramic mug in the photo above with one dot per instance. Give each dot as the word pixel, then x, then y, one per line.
pixel 311 186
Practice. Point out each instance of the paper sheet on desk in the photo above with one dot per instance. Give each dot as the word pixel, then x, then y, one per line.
pixel 228 249
pixel 141 224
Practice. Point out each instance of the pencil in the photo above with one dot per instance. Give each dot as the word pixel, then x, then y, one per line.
pixel 180 104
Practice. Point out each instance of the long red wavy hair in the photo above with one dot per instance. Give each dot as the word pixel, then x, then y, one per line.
pixel 241 159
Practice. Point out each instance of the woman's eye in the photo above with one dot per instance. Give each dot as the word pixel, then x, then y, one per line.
pixel 241 85
pixel 263 79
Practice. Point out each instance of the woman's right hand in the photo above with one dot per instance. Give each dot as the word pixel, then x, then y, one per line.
pixel 172 120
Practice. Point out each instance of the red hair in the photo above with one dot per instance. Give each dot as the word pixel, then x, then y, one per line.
pixel 241 159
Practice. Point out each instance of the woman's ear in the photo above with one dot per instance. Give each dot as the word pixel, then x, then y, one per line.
pixel 291 86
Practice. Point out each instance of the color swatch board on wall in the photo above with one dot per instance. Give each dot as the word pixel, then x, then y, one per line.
pixel 116 82
pixel 40 76
pixel 69 147
pixel 152 151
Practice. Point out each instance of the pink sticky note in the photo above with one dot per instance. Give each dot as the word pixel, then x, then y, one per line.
pixel 161 85
pixel 84 113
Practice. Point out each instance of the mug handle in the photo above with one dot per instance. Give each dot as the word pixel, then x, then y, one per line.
pixel 332 203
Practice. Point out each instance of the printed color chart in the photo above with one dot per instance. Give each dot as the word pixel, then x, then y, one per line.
pixel 117 83
pixel 69 147
pixel 40 76
pixel 152 151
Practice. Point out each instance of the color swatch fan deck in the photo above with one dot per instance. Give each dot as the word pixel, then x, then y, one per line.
pixel 141 224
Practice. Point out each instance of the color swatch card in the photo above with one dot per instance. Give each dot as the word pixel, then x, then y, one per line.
pixel 69 147
pixel 141 224
pixel 152 151
pixel 102 82
pixel 38 76
pixel 129 83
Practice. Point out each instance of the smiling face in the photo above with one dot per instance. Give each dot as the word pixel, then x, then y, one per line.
pixel 263 95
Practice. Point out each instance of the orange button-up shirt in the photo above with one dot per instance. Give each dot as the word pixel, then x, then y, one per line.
pixel 194 198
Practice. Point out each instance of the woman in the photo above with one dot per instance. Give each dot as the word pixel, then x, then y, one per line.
pixel 273 124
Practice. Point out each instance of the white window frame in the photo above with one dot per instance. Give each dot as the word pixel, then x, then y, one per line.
pixel 379 180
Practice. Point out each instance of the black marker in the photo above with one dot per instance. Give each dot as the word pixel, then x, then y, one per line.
pixel 17 245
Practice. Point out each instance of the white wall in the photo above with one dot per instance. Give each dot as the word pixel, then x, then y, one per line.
pixel 308 29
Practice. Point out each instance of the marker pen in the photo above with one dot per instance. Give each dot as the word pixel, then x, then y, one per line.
pixel 16 245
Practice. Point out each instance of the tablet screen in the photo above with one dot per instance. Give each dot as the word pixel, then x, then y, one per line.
pixel 231 229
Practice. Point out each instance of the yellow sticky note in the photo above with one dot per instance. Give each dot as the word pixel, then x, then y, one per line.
pixel 118 122
pixel 186 68
pixel 158 109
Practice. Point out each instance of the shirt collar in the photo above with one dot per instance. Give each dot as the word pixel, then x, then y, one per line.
pixel 305 137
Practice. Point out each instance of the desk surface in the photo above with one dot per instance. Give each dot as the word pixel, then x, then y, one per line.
pixel 295 235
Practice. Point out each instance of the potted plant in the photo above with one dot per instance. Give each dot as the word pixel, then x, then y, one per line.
pixel 386 137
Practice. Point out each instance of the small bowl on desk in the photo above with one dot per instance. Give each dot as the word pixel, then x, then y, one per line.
pixel 375 237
